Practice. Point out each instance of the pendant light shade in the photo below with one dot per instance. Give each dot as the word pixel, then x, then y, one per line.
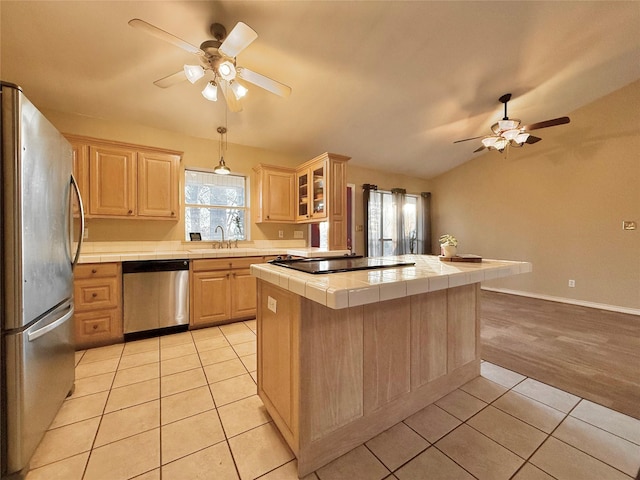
pixel 210 92
pixel 193 72
pixel 221 168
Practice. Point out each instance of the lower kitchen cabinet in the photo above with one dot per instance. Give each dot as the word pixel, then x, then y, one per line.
pixel 223 290
pixel 98 304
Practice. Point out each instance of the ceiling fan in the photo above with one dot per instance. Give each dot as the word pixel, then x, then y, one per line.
pixel 218 61
pixel 508 132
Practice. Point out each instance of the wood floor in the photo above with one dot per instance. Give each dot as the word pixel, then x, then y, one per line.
pixel 592 353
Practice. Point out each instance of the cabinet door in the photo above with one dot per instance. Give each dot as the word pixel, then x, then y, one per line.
pixel 319 180
pixel 112 188
pixel 81 174
pixel 158 185
pixel 211 297
pixel 279 194
pixel 243 294
pixel 99 327
pixel 302 181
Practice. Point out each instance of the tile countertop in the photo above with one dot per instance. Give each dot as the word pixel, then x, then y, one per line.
pixel 196 253
pixel 349 289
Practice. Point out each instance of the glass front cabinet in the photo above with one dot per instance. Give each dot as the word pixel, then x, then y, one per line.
pixel 312 183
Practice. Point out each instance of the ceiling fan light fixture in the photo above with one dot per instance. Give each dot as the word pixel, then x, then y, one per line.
pixel 238 90
pixel 489 141
pixel 210 92
pixel 508 124
pixel 227 70
pixel 521 138
pixel 500 144
pixel 511 134
pixel 193 72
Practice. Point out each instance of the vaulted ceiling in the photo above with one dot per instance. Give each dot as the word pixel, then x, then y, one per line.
pixel 391 84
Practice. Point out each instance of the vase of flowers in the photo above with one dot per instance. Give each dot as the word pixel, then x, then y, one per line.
pixel 448 245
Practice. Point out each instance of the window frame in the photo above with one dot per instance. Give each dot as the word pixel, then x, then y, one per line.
pixel 245 208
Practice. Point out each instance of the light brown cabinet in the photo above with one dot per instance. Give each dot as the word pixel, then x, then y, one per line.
pixel 126 181
pixel 311 180
pixel 98 304
pixel 322 196
pixel 273 194
pixel 223 290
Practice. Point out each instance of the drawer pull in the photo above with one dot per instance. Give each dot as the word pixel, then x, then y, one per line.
pixel 93 270
pixel 95 327
pixel 130 212
pixel 94 294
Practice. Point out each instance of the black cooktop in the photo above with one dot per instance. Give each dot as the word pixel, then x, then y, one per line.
pixel 338 264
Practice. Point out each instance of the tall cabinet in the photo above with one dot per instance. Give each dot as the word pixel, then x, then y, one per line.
pixel 322 196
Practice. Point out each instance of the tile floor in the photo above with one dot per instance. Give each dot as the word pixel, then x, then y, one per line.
pixel 184 406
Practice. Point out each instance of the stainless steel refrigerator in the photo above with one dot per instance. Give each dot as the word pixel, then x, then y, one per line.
pixel 38 256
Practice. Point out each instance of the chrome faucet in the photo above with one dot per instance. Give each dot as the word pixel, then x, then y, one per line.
pixel 221 231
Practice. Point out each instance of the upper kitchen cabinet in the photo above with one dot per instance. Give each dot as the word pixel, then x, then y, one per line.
pixel 158 184
pixel 120 180
pixel 112 181
pixel 273 194
pixel 321 193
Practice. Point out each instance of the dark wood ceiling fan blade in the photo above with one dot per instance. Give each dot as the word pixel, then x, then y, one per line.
pixel 531 139
pixel 467 139
pixel 546 123
pixel 479 149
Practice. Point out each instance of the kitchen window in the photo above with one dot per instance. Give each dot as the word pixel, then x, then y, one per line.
pixel 215 200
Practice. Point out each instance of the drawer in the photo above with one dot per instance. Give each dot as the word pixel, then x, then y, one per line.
pixel 99 327
pixel 95 270
pixel 96 293
pixel 209 264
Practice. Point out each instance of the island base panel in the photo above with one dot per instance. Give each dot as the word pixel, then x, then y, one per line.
pixel 324 374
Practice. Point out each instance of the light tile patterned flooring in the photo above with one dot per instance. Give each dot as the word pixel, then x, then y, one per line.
pixel 185 407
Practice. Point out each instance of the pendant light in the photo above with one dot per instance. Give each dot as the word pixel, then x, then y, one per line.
pixel 221 168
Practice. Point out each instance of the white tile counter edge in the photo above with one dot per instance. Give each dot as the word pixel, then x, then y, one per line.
pixel 106 257
pixel 349 289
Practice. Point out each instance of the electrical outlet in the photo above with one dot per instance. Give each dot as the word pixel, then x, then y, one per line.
pixel 85 234
pixel 298 234
pixel 272 304
pixel 280 233
pixel 572 283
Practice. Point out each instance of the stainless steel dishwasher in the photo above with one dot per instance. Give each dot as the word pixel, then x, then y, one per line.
pixel 156 297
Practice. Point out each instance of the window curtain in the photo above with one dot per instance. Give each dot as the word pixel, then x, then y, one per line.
pixel 371 201
pixel 399 236
pixel 396 223
pixel 423 234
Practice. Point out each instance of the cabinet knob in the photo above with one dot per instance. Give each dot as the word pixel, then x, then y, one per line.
pixel 95 327
pixel 173 213
pixel 94 295
pixel 267 216
pixel 93 270
pixel 130 212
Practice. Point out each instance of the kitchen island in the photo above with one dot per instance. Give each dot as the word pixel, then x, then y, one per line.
pixel 343 357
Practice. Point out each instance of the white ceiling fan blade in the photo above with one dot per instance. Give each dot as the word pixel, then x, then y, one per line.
pixel 170 80
pixel 238 39
pixel 264 82
pixel 232 102
pixel 166 36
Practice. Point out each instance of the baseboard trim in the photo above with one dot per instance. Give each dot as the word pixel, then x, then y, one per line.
pixel 571 301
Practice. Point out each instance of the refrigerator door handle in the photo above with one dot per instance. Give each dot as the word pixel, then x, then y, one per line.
pixel 81 235
pixel 31 336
